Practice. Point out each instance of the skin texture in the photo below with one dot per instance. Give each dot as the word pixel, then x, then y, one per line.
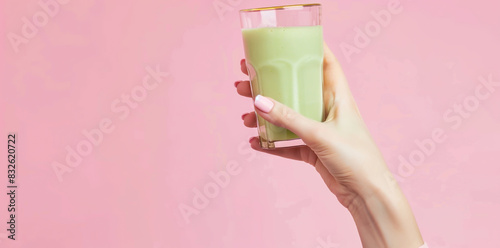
pixel 347 159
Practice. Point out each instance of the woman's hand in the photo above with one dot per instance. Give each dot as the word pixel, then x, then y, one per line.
pixel 344 154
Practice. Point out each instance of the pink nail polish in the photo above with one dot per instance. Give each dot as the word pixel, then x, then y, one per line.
pixel 236 83
pixel 243 116
pixel 263 104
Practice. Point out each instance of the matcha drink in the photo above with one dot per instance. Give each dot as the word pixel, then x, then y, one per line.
pixel 284 57
pixel 286 65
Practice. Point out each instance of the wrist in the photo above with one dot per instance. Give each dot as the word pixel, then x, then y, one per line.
pixel 383 216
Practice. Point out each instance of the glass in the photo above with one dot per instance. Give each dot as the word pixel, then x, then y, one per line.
pixel 284 57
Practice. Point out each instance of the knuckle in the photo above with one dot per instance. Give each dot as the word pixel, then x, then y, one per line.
pixel 317 133
pixel 288 115
pixel 285 116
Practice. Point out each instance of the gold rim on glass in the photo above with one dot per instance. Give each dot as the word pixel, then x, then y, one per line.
pixel 281 7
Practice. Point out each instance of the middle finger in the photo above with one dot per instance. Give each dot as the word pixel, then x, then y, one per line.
pixel 243 88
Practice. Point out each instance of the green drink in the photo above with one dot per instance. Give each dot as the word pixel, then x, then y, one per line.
pixel 286 64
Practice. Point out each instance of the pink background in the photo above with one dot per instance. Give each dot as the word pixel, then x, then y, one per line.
pixel 127 191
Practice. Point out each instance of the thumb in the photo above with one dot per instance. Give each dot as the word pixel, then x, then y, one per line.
pixel 283 116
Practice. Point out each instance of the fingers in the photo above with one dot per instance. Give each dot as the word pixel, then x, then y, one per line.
pixel 249 119
pixel 283 116
pixel 243 65
pixel 243 88
pixel 301 153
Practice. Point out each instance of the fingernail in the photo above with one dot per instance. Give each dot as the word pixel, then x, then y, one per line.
pixel 236 83
pixel 263 104
pixel 243 116
pixel 250 140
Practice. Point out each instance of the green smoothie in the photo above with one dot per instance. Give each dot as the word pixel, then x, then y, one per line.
pixel 286 64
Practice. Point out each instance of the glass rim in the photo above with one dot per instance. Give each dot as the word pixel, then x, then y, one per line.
pixel 282 7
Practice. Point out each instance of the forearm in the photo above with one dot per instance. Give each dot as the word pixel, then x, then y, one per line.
pixel 384 219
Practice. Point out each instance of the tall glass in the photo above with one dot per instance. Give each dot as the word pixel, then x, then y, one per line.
pixel 284 57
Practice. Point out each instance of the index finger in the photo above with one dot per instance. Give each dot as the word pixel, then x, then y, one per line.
pixel 244 66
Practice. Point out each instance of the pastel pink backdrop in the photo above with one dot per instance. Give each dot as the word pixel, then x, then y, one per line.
pixel 127 192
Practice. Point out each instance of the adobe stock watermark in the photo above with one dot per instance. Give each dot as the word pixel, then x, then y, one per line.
pixel 224 6
pixel 31 26
pixel 453 117
pixel 122 107
pixel 363 35
pixel 326 243
pixel 218 181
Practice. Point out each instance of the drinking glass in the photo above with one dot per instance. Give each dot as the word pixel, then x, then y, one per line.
pixel 284 57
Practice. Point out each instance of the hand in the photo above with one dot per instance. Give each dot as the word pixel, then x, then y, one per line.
pixel 340 148
pixel 344 154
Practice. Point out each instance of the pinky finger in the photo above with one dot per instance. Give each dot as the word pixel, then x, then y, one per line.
pixel 297 152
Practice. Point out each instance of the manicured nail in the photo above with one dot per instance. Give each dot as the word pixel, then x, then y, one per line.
pixel 251 138
pixel 236 83
pixel 265 105
pixel 243 116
